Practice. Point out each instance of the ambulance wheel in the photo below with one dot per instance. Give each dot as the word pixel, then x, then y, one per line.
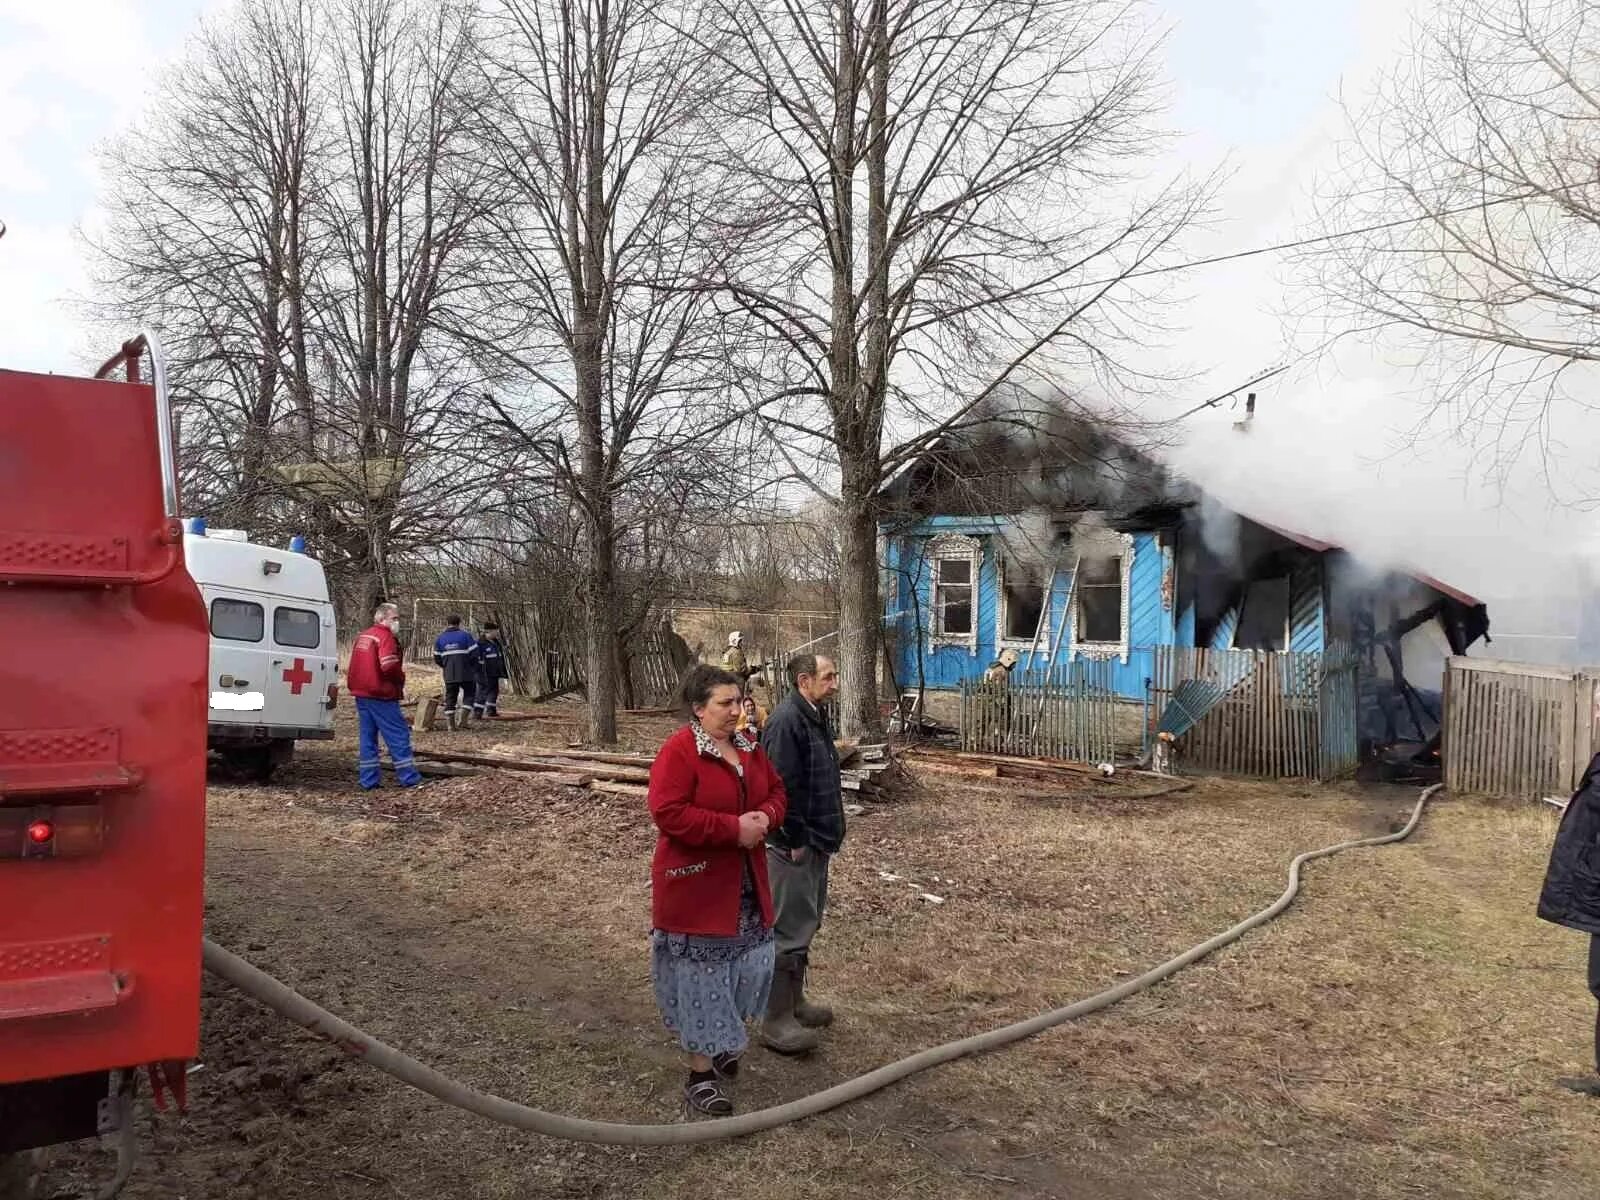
pixel 259 762
pixel 19 1175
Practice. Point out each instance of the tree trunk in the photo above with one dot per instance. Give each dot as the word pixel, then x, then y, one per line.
pixel 600 640
pixel 860 611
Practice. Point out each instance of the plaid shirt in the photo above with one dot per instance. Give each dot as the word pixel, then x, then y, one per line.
pixel 800 744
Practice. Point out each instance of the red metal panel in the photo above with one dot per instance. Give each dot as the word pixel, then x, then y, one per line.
pixel 102 695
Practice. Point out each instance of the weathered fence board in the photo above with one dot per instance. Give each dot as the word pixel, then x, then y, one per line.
pixel 1271 714
pixel 1517 730
pixel 1069 712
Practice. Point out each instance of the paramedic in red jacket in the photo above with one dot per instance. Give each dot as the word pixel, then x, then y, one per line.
pixel 713 796
pixel 377 679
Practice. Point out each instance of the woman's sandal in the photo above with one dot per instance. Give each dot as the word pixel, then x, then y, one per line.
pixel 709 1098
pixel 726 1066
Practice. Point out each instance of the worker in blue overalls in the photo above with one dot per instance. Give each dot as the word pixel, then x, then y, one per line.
pixel 491 665
pixel 456 653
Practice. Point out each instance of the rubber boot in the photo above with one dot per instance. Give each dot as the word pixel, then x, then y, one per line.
pixel 1588 1085
pixel 812 1016
pixel 780 1031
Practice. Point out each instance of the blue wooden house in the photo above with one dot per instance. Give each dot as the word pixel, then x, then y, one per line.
pixel 1090 550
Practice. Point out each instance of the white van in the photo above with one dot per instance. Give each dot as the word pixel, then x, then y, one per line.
pixel 274 651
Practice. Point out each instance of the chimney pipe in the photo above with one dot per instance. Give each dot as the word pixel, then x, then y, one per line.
pixel 1249 414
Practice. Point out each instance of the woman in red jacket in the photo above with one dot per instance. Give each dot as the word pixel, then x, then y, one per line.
pixel 713 796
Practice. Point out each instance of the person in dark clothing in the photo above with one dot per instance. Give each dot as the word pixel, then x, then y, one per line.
pixel 800 744
pixel 454 652
pixel 491 665
pixel 1571 893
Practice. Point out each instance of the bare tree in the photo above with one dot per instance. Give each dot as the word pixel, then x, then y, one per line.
pixel 613 371
pixel 1473 176
pixel 297 211
pixel 407 194
pixel 209 236
pixel 926 213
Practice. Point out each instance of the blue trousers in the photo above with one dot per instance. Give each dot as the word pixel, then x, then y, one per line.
pixel 383 717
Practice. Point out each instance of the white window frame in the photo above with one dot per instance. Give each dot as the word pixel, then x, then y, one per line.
pixel 956 546
pixel 1003 642
pixel 1102 545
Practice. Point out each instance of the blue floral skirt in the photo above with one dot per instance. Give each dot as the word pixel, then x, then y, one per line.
pixel 707 988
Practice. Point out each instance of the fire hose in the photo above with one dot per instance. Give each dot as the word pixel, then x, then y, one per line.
pixel 353 1041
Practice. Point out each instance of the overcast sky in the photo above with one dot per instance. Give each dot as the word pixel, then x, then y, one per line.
pixel 1254 84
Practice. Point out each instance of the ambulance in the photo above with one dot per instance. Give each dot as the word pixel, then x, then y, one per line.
pixel 274 665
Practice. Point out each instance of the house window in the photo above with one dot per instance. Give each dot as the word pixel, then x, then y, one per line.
pixel 955 563
pixel 1264 623
pixel 1021 605
pixel 952 596
pixel 1100 600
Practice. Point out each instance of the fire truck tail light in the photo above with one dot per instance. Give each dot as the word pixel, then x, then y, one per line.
pixel 67 831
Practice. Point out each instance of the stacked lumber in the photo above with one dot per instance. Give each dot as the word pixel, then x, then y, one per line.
pixel 998 766
pixel 617 774
pixel 865 770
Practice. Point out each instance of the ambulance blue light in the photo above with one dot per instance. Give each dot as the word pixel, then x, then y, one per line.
pixel 297 544
pixel 195 525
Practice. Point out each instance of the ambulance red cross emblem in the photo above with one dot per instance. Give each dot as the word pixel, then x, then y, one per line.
pixel 297 676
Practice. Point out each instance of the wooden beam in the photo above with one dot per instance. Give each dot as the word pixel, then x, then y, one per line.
pixel 619 789
pixel 641 761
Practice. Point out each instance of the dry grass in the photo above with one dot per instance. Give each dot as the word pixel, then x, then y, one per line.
pixel 1394 1034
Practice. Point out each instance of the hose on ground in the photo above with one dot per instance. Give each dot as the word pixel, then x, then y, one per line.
pixel 355 1042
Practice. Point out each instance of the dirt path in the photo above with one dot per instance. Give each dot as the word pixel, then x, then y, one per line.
pixel 494 927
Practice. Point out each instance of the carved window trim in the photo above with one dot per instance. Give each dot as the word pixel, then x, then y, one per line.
pixel 1094 545
pixel 953 546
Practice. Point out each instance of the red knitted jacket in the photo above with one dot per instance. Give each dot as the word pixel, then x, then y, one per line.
pixel 698 869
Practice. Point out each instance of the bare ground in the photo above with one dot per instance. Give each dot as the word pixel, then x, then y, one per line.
pixel 1395 1034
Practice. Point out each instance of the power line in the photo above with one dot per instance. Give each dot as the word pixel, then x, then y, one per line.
pixel 1218 399
pixel 1302 243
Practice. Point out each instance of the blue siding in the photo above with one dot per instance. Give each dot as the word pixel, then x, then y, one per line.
pixel 1307 627
pixel 1186 627
pixel 1227 626
pixel 1151 621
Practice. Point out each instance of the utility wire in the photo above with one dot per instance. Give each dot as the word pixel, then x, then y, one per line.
pixel 1302 243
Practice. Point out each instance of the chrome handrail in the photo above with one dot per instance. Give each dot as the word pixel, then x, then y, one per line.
pixel 148 343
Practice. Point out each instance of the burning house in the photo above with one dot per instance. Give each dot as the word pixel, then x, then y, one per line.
pixel 1076 547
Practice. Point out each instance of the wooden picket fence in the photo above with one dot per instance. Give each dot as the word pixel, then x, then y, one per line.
pixel 1517 730
pixel 1069 712
pixel 1271 714
pixel 655 678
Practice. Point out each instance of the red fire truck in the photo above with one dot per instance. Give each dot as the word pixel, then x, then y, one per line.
pixel 103 646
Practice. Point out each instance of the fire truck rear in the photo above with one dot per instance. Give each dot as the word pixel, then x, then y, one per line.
pixel 103 646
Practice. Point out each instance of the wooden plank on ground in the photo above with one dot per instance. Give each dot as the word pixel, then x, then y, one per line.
pixel 618 789
pixel 965 770
pixel 642 761
pixel 423 718
pixel 599 770
pixel 506 763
